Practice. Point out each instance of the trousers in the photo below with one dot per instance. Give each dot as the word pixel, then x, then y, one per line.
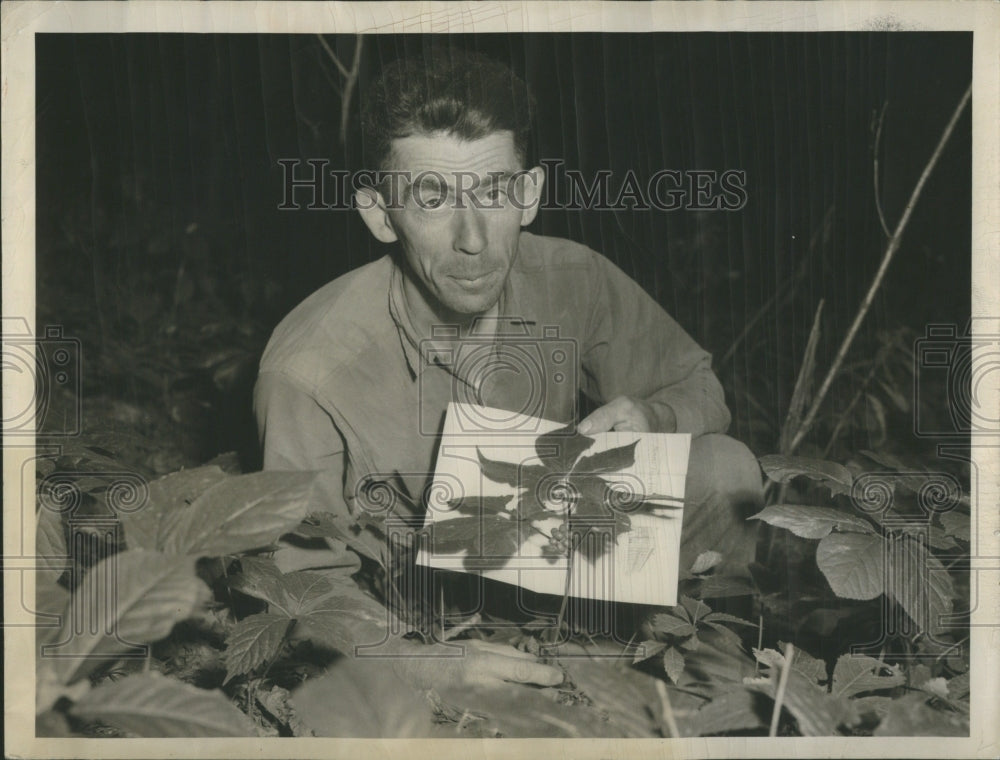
pixel 724 487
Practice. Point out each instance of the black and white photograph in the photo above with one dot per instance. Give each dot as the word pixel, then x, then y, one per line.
pixel 464 372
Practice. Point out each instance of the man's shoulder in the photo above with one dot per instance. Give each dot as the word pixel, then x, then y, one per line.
pixel 333 325
pixel 540 253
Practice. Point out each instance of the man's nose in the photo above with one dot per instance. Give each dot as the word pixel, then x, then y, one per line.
pixel 470 232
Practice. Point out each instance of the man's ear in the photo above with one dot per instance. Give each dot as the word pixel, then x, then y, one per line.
pixel 530 193
pixel 371 206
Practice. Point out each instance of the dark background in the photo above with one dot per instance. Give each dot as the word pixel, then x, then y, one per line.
pixel 162 248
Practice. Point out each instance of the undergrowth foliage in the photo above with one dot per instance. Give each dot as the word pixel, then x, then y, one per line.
pixel 173 619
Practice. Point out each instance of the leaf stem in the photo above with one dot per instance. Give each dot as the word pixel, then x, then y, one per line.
pixel 668 712
pixel 779 698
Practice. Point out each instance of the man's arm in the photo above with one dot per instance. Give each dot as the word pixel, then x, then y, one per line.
pixel 648 373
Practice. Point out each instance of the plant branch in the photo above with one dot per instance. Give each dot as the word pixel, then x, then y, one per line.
pixel 878 197
pixel 668 712
pixel 890 250
pixel 802 383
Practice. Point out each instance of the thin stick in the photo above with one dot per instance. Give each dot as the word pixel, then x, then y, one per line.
pixel 668 712
pixel 890 250
pixel 351 79
pixel 779 698
pixel 878 198
pixel 760 641
pixel 333 57
pixel 802 382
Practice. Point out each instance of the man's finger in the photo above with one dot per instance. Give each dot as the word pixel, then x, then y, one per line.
pixel 502 649
pixel 605 418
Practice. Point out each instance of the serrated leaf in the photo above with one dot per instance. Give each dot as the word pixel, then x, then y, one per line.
pixel 647 649
pixel 170 497
pixel 812 522
pixel 673 664
pixel 919 583
pixel 695 608
pixel 724 617
pixel 339 527
pixel 260 578
pixel 782 469
pixel 855 674
pixel 336 615
pixel 853 564
pixel 560 448
pixel 610 460
pixel 499 471
pixel 127 600
pixel 671 625
pixel 153 705
pixel 241 513
pixel 721 586
pixel 253 641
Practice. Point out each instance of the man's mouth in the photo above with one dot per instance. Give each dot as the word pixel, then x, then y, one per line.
pixel 472 282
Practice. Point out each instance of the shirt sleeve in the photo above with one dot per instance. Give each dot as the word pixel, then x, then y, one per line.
pixel 296 433
pixel 634 348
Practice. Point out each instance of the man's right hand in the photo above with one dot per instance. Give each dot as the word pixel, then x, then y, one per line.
pixel 483 664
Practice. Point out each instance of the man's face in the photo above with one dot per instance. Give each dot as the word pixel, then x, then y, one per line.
pixel 457 215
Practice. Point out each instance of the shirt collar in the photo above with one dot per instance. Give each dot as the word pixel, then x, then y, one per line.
pixel 516 318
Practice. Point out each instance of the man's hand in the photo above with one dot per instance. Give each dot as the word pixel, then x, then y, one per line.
pixel 484 664
pixel 627 413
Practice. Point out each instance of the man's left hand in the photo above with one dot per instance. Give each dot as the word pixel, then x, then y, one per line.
pixel 632 414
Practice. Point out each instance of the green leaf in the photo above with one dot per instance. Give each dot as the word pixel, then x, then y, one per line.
pixel 782 469
pixel 856 674
pixel 695 608
pixel 127 600
pixel 363 698
pixel 253 641
pixel 812 522
pixel 560 448
pixel 153 705
pixel 241 513
pixel 170 498
pixel 853 564
pixel 336 615
pixel 723 617
pixel 261 579
pixel 673 664
pixel 721 586
pixel 671 625
pixel 647 649
pixel 919 583
pixel 611 460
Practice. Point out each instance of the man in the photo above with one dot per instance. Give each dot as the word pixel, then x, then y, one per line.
pixel 351 383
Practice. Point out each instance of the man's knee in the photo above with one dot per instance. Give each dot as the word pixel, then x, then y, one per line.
pixel 722 466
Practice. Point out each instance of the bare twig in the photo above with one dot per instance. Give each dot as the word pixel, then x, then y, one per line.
pixel 890 250
pixel 668 712
pixel 779 697
pixel 802 383
pixel 878 196
pixel 351 79
pixel 333 56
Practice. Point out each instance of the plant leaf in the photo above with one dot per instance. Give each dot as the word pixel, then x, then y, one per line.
pixel 853 564
pixel 611 460
pixel 261 579
pixel 241 513
pixel 812 522
pixel 253 641
pixel 720 586
pixel 649 648
pixel 956 524
pixel 910 715
pixel 855 674
pixel 669 624
pixel 673 664
pixel 705 562
pixel 782 469
pixel 170 498
pixel 498 471
pixel 723 617
pixel 153 705
pixel 362 698
pixel 480 505
pixel 919 582
pixel 340 527
pixel 560 448
pixel 135 598
pixel 734 710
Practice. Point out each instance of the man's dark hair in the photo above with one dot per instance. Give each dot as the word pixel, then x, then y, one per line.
pixel 458 92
